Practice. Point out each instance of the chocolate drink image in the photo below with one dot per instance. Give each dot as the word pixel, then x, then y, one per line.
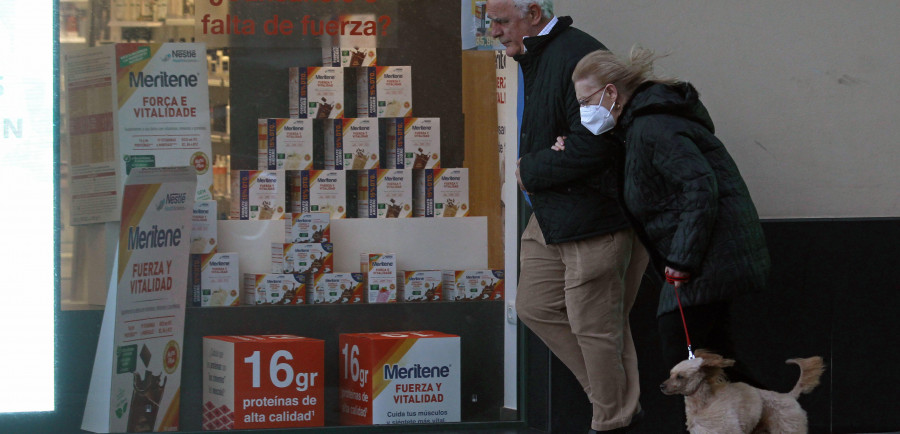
pixel 324 110
pixel 357 58
pixel 145 402
pixel 421 160
pixel 393 210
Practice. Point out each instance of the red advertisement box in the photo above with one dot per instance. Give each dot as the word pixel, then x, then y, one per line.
pixel 271 381
pixel 399 378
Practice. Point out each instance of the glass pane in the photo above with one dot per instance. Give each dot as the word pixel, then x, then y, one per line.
pixel 351 110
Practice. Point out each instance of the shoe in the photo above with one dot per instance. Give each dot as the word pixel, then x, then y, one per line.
pixel 635 420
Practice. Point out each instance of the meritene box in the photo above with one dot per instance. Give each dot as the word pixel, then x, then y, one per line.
pixel 349 57
pixel 257 382
pixel 441 192
pixel 285 144
pixel 351 143
pixel 274 289
pixel 334 288
pixel 384 193
pixel 467 285
pixel 421 285
pixel 316 92
pixel 302 258
pixel 129 106
pixel 384 92
pixel 259 194
pixel 318 191
pixel 380 270
pixel 412 143
pixel 399 378
pixel 220 283
pixel 203 227
pixel 310 227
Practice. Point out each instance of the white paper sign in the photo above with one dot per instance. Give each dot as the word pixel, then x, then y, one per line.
pixel 130 106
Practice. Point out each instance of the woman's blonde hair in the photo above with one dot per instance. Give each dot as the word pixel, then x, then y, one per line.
pixel 626 74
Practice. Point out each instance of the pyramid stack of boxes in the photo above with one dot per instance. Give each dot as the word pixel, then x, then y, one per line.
pixel 350 148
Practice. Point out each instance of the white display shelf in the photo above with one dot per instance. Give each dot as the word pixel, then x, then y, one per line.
pixel 421 243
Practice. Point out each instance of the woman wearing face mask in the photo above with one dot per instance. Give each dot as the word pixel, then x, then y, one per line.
pixel 683 193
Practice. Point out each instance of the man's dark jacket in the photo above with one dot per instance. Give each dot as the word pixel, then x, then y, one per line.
pixel 572 192
pixel 692 209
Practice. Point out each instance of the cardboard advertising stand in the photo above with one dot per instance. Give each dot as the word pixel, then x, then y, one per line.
pixel 135 384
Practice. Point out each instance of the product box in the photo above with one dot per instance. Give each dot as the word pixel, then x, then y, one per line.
pixel 380 270
pixel 399 378
pixel 219 280
pixel 134 105
pixel 441 192
pixel 421 285
pixel 384 92
pixel 316 92
pixel 412 143
pixel 310 227
pixel 465 285
pixel 318 191
pixel 335 288
pixel 274 289
pixel 204 227
pixel 259 194
pixel 285 144
pixel 384 193
pixel 259 382
pixel 302 258
pixel 351 143
pixel 352 57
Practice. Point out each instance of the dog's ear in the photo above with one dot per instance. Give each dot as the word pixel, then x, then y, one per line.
pixel 713 360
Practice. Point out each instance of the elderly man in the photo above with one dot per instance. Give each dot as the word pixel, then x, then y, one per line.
pixel 581 264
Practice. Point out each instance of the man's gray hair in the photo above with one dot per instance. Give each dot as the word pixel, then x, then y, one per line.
pixel 545 5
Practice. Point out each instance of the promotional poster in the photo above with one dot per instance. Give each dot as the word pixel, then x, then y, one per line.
pixel 135 385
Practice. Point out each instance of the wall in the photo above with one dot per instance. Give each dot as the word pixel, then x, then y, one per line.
pixel 802 93
pixel 801 96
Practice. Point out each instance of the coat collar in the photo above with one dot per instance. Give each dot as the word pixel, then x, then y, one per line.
pixel 534 45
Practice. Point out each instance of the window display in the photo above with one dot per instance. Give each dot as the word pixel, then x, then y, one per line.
pixel 325 184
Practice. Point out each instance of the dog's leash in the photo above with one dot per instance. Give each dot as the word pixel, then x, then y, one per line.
pixel 673 280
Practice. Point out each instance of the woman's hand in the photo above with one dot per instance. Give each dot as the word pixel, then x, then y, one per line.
pixel 676 277
pixel 560 144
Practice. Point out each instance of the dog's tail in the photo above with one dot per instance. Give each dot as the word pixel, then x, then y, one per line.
pixel 810 370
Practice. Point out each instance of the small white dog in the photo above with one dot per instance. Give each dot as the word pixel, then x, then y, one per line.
pixel 716 406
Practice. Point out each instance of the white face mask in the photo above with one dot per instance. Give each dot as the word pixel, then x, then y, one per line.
pixel 596 118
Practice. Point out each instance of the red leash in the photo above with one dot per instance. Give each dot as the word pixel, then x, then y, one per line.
pixel 683 322
pixel 673 280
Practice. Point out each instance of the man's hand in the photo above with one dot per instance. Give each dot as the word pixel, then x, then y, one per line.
pixel 560 144
pixel 519 177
